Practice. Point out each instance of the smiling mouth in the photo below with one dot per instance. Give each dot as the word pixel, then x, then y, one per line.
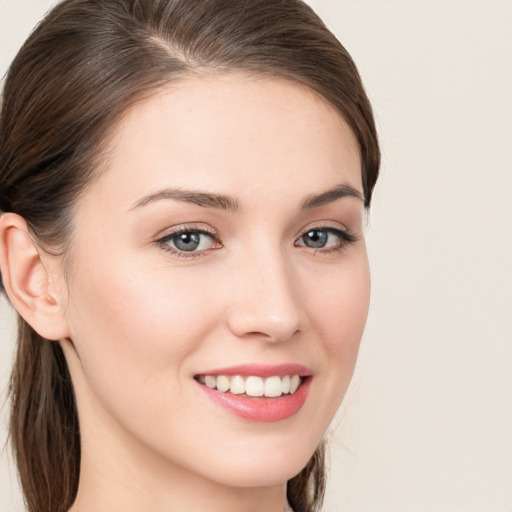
pixel 252 385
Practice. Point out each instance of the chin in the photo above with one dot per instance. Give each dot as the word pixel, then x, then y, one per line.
pixel 261 466
pixel 269 474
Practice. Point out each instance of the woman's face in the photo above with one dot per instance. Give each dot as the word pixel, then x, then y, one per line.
pixel 223 237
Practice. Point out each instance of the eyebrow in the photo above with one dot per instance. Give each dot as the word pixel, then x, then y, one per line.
pixel 338 192
pixel 204 199
pixel 222 202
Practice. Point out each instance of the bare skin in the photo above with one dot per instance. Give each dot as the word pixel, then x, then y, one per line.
pixel 141 317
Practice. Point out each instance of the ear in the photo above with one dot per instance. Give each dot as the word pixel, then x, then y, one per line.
pixel 26 278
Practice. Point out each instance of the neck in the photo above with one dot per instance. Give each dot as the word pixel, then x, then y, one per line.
pixel 123 498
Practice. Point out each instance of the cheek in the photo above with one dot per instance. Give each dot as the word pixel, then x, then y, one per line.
pixel 340 307
pixel 133 331
pixel 339 313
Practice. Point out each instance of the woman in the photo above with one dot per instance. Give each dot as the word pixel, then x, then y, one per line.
pixel 182 187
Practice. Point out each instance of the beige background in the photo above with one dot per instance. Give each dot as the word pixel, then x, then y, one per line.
pixel 427 425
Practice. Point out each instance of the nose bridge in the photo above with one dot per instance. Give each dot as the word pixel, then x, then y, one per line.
pixel 265 303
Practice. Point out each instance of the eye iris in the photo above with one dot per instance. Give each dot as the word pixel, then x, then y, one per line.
pixel 187 241
pixel 315 239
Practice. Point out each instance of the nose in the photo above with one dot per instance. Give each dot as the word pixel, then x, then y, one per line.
pixel 265 299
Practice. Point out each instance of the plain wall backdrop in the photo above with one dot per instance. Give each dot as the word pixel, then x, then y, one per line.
pixel 427 423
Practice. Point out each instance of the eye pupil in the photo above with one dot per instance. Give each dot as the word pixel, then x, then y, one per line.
pixel 315 238
pixel 187 241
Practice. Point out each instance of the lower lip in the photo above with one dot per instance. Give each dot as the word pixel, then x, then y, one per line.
pixel 261 409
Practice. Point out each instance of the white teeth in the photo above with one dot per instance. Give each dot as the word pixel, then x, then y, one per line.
pixel 294 383
pixel 210 381
pixel 286 384
pixel 223 383
pixel 237 385
pixel 254 386
pixel 271 387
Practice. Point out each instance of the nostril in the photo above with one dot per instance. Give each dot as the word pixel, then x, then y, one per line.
pixel 271 334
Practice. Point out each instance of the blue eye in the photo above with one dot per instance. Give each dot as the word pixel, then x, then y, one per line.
pixel 188 241
pixel 316 239
pixel 325 238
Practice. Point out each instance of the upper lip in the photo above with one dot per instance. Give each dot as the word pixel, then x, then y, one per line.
pixel 262 370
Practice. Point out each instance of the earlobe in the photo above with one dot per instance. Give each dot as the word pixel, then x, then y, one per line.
pixel 26 279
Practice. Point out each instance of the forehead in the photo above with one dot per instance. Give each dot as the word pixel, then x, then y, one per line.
pixel 230 134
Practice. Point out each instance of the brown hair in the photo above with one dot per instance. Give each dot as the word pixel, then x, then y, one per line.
pixel 80 69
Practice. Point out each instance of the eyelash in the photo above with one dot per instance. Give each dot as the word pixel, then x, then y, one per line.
pixel 163 242
pixel 345 239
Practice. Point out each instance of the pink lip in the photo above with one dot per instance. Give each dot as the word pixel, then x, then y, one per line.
pixel 262 370
pixel 262 409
